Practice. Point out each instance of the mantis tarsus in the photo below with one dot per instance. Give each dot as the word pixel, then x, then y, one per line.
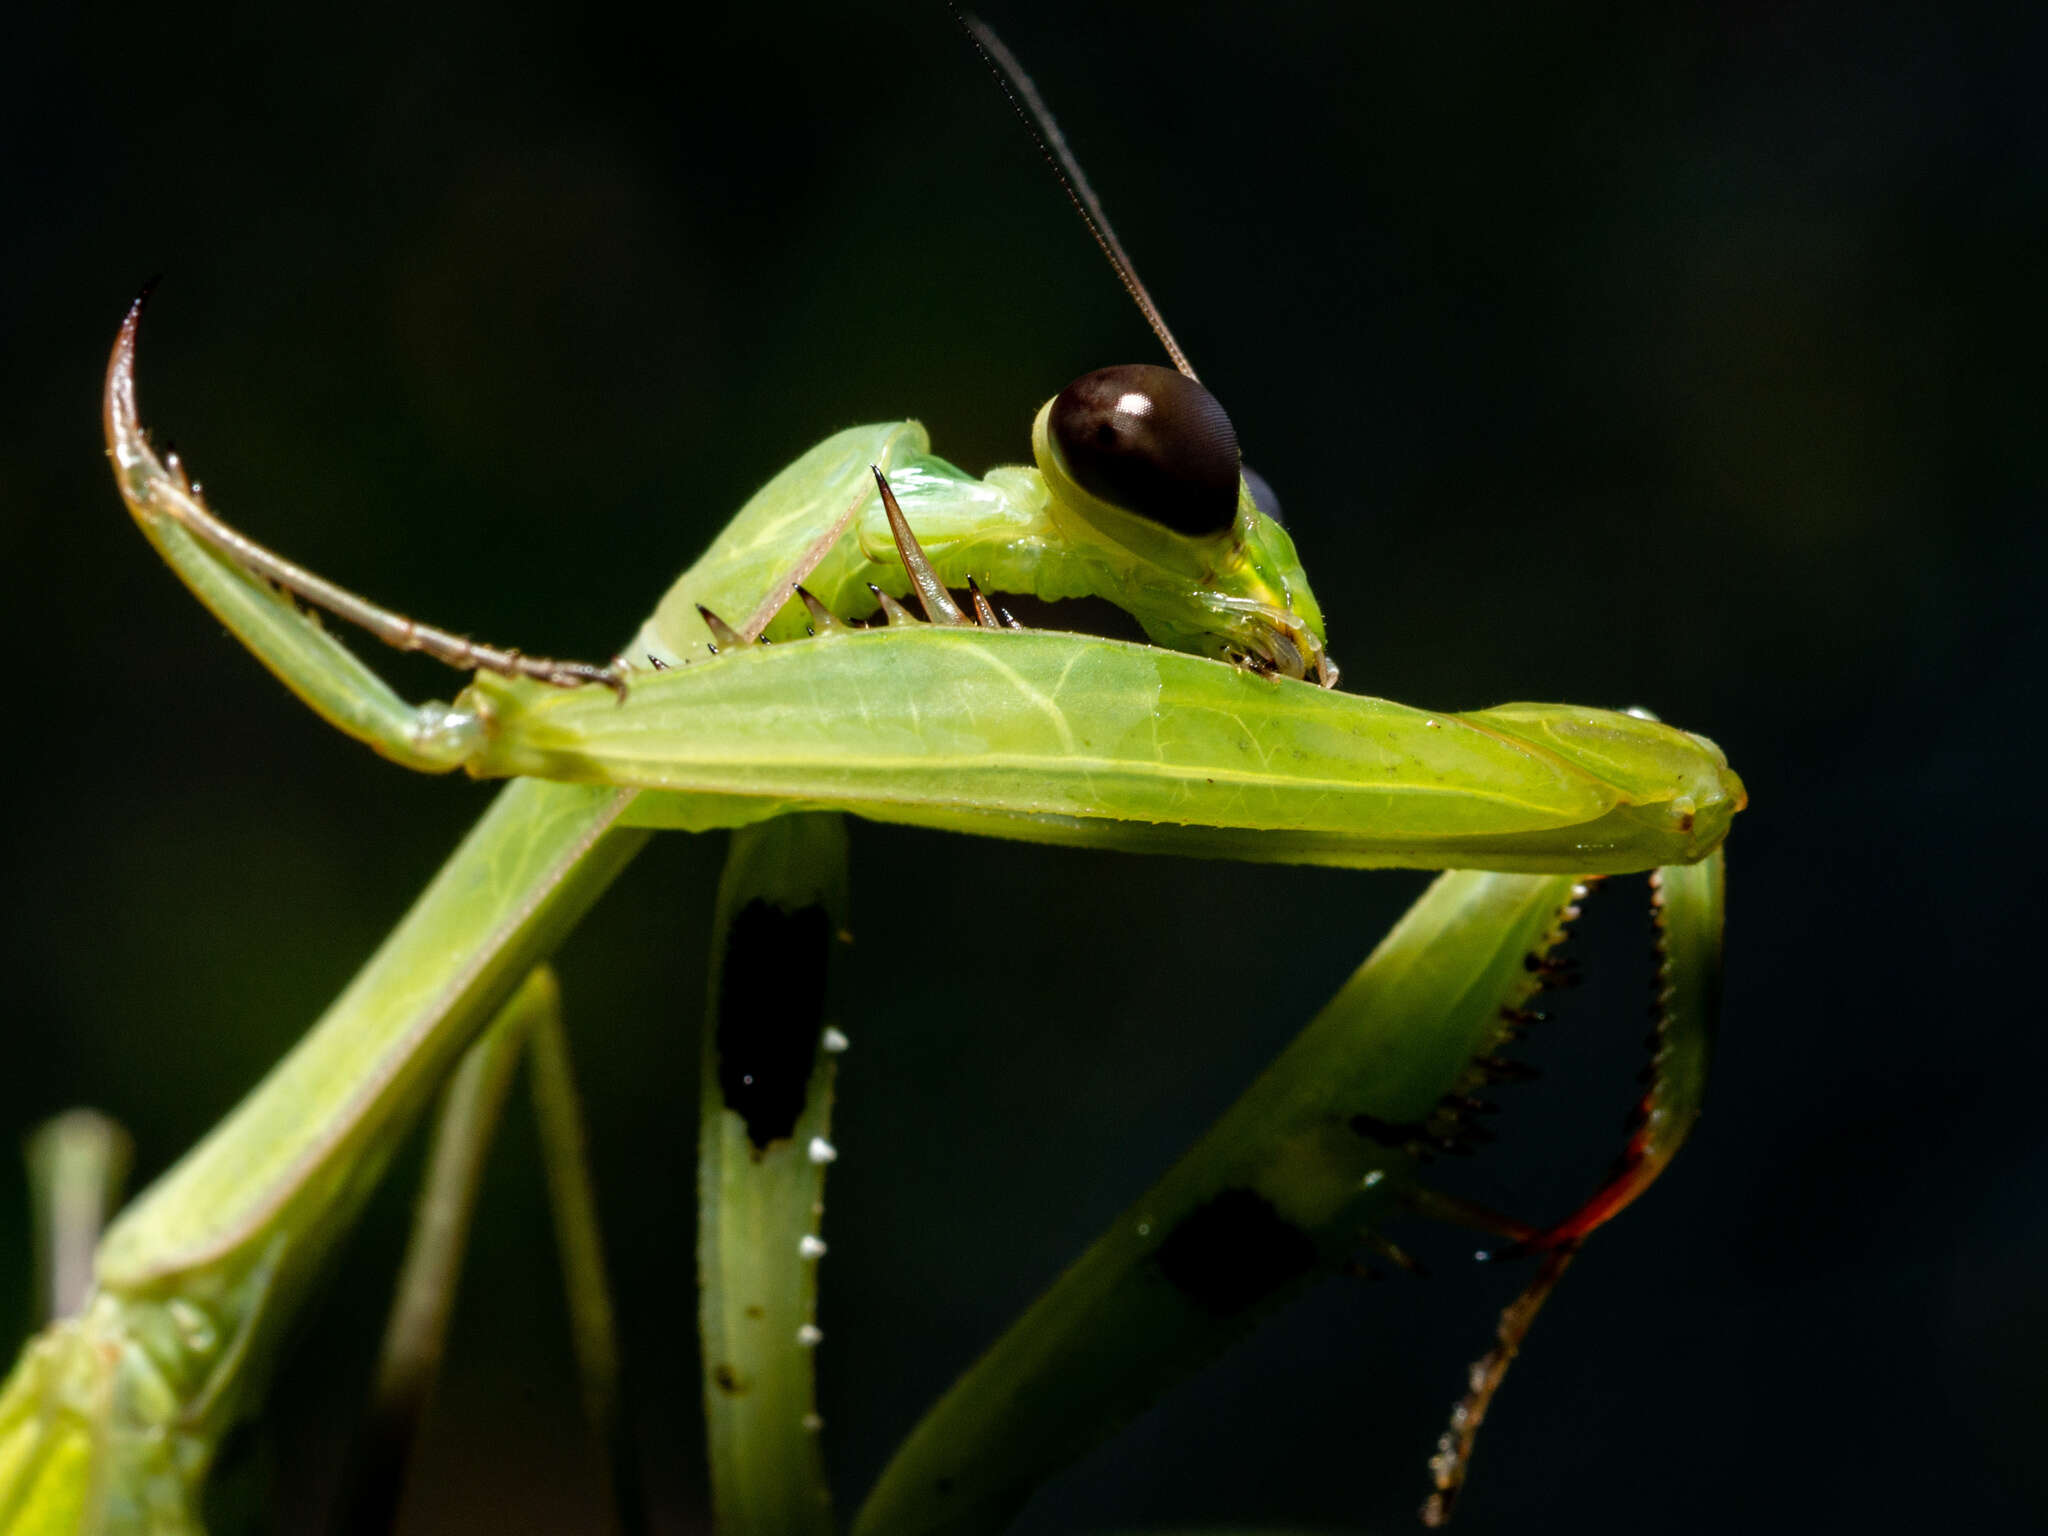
pixel 1189 745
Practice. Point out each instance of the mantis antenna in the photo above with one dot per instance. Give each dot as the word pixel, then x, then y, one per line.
pixel 1038 121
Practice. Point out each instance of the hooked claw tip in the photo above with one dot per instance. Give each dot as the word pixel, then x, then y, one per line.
pixel 120 418
pixel 131 322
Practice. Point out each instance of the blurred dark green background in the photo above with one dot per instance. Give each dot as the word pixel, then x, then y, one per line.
pixel 1686 356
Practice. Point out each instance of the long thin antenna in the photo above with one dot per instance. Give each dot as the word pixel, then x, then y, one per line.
pixel 1038 120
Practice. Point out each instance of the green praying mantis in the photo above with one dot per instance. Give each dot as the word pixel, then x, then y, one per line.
pixel 753 699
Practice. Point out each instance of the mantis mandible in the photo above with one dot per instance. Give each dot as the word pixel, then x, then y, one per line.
pixel 1214 740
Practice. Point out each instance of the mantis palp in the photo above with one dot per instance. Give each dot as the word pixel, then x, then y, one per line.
pixel 1189 745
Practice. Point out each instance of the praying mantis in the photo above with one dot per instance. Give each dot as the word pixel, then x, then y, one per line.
pixel 1211 741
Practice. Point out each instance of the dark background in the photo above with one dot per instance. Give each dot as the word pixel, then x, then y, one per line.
pixel 1684 356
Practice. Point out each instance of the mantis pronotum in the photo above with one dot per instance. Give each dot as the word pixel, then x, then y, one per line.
pixel 1191 745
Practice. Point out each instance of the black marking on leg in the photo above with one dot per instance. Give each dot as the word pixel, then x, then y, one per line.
pixel 771 1009
pixel 1234 1252
pixel 728 1380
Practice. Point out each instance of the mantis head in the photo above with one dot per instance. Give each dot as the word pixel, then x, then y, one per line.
pixel 1143 460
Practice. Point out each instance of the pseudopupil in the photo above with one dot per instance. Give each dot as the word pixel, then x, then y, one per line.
pixel 1153 442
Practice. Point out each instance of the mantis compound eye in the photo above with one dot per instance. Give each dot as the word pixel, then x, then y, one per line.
pixel 1153 442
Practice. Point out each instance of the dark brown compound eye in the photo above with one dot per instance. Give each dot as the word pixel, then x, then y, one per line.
pixel 1152 442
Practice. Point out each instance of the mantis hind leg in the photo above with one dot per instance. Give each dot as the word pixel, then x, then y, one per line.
pixel 763 1147
pixel 528 1027
pixel 766 1096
